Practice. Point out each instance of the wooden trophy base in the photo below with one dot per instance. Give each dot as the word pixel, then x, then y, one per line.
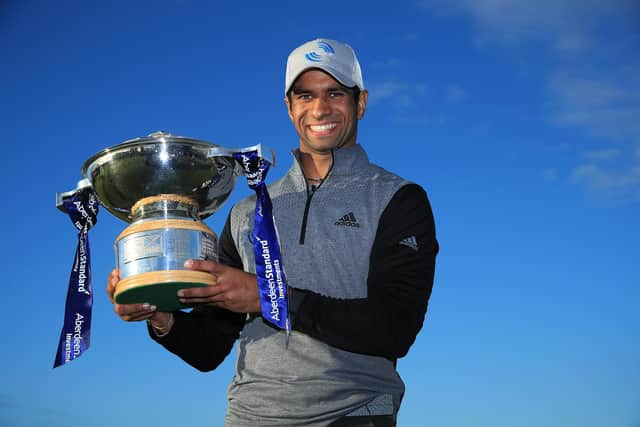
pixel 160 288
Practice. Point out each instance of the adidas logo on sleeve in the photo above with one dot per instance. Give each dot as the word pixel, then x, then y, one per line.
pixel 349 220
pixel 410 242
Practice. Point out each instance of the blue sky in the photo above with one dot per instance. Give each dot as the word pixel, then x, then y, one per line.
pixel 521 119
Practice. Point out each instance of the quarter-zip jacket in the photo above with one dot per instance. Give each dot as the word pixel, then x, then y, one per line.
pixel 359 287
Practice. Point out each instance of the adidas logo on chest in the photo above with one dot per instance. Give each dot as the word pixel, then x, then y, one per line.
pixel 349 220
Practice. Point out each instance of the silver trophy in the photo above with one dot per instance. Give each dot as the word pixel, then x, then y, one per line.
pixel 163 186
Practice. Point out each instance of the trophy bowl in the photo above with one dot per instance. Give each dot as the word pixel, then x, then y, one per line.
pixel 163 186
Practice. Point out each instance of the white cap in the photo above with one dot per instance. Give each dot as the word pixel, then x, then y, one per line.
pixel 334 57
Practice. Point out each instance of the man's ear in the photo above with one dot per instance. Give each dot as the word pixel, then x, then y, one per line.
pixel 362 103
pixel 288 104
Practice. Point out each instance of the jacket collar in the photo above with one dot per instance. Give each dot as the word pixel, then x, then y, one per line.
pixel 345 161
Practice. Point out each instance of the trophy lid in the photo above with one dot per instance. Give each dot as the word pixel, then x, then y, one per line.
pixel 161 164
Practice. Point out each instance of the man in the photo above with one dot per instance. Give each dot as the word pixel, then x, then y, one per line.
pixel 358 247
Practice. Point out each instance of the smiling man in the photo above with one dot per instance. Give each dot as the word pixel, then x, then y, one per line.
pixel 358 246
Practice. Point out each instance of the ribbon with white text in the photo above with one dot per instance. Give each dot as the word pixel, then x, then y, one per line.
pixel 272 284
pixel 82 208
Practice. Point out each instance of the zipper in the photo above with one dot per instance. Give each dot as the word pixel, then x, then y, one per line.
pixel 303 228
pixel 305 216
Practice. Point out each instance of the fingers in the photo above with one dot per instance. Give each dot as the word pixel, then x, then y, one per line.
pixel 207 266
pixel 202 295
pixel 112 281
pixel 131 312
pixel 234 290
pixel 206 294
pixel 134 312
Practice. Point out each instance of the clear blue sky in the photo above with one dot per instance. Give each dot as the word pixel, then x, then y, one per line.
pixel 520 118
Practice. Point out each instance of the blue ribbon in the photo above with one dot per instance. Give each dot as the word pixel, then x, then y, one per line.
pixel 75 336
pixel 272 283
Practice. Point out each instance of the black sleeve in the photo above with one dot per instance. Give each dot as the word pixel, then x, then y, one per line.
pixel 205 336
pixel 402 265
pixel 227 251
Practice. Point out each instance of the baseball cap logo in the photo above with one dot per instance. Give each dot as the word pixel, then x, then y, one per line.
pixel 324 50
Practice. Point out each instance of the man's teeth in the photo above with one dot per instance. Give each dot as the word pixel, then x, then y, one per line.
pixel 323 128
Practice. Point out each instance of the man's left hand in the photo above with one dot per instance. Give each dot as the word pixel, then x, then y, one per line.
pixel 235 290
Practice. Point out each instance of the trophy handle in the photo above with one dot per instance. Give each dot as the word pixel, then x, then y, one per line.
pixel 82 184
pixel 263 151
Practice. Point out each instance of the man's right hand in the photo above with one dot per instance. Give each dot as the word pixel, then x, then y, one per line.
pixel 161 321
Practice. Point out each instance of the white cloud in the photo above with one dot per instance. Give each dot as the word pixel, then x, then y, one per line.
pixel 606 105
pixel 567 25
pixel 606 154
pixel 574 90
pixel 407 102
pixel 571 42
pixel 388 63
pixel 415 119
pixel 398 94
pixel 612 181
pixel 613 171
pixel 593 83
pixel 455 93
pixel 550 174
pixel 412 36
pixel 617 123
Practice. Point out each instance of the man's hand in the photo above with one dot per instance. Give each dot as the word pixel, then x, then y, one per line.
pixel 136 312
pixel 235 290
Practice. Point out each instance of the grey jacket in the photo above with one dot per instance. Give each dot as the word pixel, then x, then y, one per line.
pixel 359 254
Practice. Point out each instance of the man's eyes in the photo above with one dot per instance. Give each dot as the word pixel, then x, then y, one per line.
pixel 332 94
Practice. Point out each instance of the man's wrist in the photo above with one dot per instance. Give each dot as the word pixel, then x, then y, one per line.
pixel 162 330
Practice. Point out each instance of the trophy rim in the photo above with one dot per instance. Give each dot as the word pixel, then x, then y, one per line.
pixel 107 155
pixel 153 138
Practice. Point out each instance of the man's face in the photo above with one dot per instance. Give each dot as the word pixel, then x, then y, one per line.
pixel 324 112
